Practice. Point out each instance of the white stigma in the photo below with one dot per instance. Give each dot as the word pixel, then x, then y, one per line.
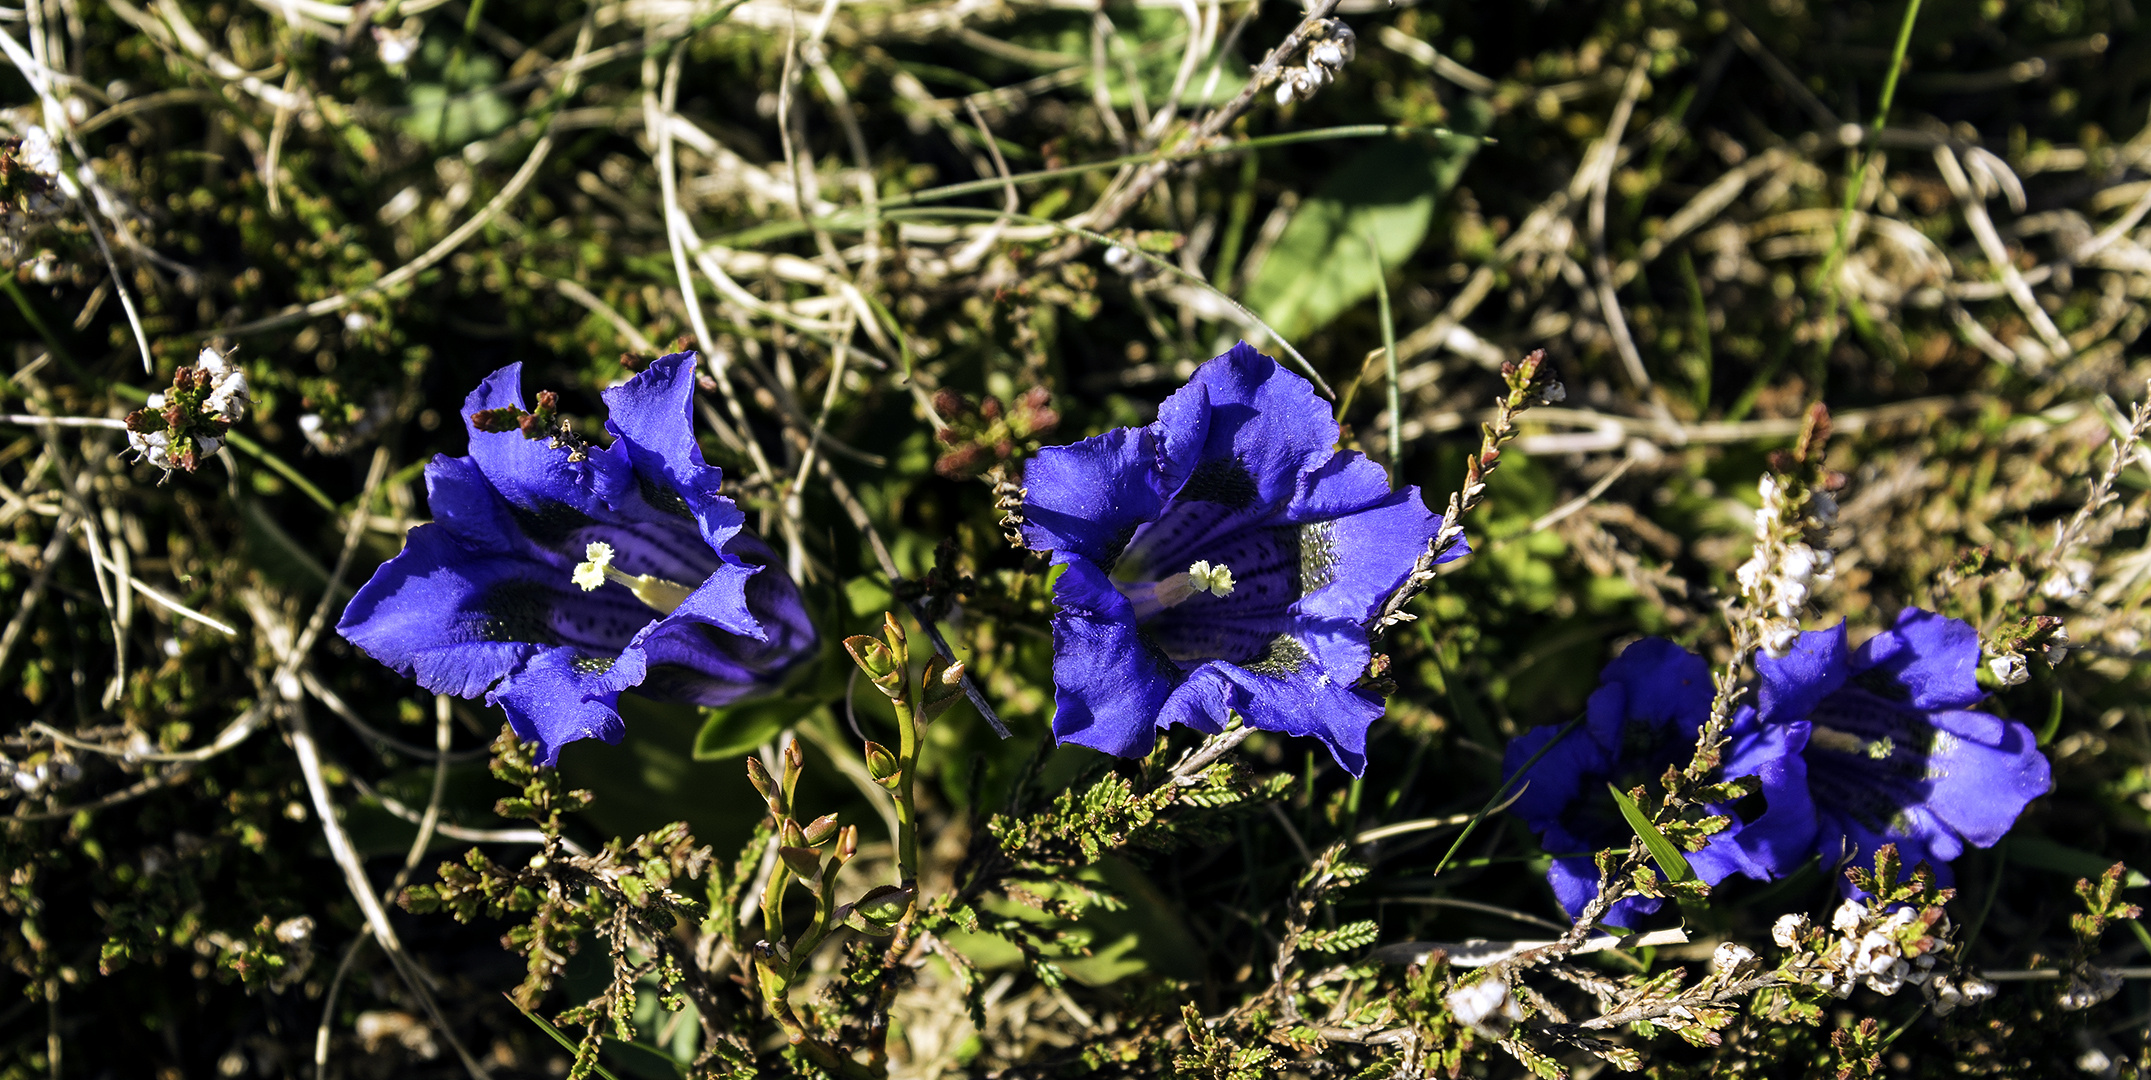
pixel 591 573
pixel 1215 580
pixel 596 569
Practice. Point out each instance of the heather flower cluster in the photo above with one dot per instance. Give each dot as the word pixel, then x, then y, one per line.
pixel 1330 45
pixel 558 575
pixel 1777 579
pixel 1851 748
pixel 1223 561
pixel 186 424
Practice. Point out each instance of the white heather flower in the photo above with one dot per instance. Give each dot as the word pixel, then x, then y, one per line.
pixel 2009 669
pixel 227 398
pixel 1731 956
pixel 1786 931
pixel 1849 916
pixel 295 930
pixel 2057 646
pixel 38 154
pixel 395 47
pixel 2071 580
pixel 153 447
pixel 1778 639
pixel 1478 1004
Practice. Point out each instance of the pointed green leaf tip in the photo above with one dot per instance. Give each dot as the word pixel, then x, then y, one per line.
pixel 1663 851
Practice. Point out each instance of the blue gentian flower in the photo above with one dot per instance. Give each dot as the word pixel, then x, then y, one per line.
pixel 1650 705
pixel 1880 744
pixel 1224 559
pixel 556 575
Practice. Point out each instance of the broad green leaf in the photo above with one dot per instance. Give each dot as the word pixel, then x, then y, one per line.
pixel 1662 850
pixel 2043 854
pixel 738 729
pixel 1319 267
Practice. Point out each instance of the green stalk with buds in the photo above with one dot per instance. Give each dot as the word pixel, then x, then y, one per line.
pixel 811 855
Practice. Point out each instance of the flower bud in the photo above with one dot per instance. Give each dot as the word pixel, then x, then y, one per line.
pixel 795 763
pixel 760 778
pixel 882 765
pixel 847 843
pixel 941 687
pixel 878 662
pixel 817 832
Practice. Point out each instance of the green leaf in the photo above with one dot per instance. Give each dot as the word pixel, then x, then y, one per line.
pixel 1663 851
pixel 559 1037
pixel 1319 267
pixel 2043 854
pixel 731 732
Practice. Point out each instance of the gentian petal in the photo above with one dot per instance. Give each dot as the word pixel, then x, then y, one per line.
pixel 1665 684
pixel 552 490
pixel 467 506
pixel 564 695
pixel 1109 683
pixel 1793 684
pixel 1985 773
pixel 652 417
pixel 1242 431
pixel 1935 659
pixel 453 619
pixel 1555 780
pixel 1349 565
pixel 1322 707
pixel 1088 499
pixel 1782 837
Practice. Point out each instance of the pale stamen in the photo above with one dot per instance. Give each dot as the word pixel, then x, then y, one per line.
pixel 1201 577
pixel 660 594
pixel 1844 742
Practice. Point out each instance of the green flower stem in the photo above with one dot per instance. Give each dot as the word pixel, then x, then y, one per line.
pixel 907 821
pixel 773 902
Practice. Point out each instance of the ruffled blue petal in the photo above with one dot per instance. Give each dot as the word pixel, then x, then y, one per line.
pixel 549 491
pixel 652 417
pixel 1310 701
pixel 1350 565
pixel 465 504
pixel 456 620
pixel 1984 771
pixel 1933 657
pixel 1793 684
pixel 1109 682
pixel 1781 838
pixel 1088 499
pixel 1666 685
pixel 1556 779
pixel 1242 431
pixel 564 695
